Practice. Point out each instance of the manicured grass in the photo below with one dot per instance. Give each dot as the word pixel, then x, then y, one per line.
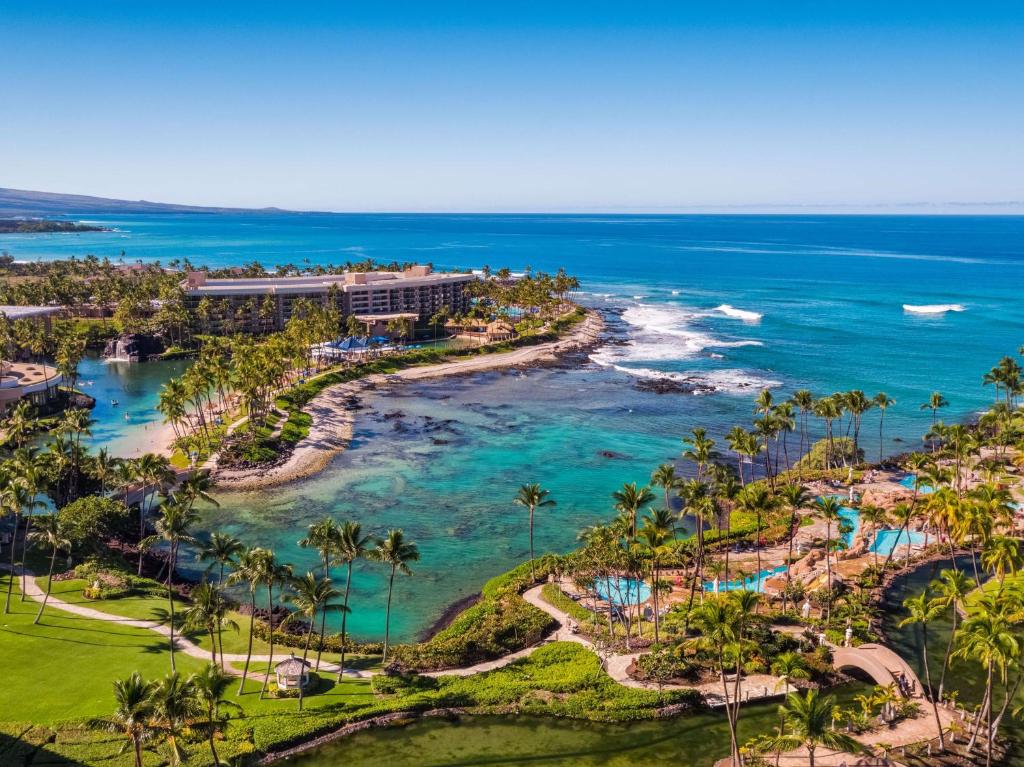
pixel 64 667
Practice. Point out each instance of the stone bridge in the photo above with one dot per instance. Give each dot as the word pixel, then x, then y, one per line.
pixel 880 663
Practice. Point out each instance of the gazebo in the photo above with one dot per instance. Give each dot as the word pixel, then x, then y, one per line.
pixel 292 674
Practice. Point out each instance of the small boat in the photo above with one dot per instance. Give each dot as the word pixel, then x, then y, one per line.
pixel 113 403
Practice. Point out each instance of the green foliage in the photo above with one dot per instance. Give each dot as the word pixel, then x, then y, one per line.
pixel 840 451
pixel 500 623
pixel 88 521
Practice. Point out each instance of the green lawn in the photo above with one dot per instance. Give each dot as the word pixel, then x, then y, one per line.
pixel 147 607
pixel 63 668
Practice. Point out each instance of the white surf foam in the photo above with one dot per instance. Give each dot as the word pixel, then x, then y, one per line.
pixel 739 314
pixel 933 308
pixel 675 292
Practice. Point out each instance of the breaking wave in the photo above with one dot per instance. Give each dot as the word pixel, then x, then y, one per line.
pixel 933 308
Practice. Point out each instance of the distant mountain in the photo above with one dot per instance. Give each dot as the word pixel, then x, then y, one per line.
pixel 20 202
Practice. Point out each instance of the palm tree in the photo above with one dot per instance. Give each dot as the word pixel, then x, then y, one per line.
pixel 252 563
pixel 935 402
pixel 273 574
pixel 628 501
pixel 809 719
pixel 788 666
pixel 132 717
pixel 666 478
pixel 396 553
pixel 221 550
pixel 657 531
pixel 989 637
pixel 533 497
pixel 951 589
pixel 48 533
pixel 1002 556
pixel 210 686
pixel 795 498
pixel 173 528
pixel 874 517
pixel 154 472
pixel 103 465
pixel 15 497
pixel 208 612
pixel 828 508
pixel 700 449
pixel 325 537
pixel 311 597
pixel 803 400
pixel 352 545
pixel 883 402
pixel 717 621
pixel 174 707
pixel 922 611
pixel 757 499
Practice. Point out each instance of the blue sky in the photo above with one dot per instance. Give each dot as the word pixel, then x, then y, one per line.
pixel 516 106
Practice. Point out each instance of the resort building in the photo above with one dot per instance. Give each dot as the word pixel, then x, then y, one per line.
pixel 33 381
pixel 263 304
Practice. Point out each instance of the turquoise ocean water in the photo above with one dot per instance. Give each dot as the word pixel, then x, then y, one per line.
pixel 729 303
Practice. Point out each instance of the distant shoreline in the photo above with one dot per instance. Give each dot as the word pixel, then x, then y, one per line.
pixel 45 226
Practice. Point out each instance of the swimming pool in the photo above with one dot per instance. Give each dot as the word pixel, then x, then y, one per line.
pixel 850 516
pixel 623 590
pixel 908 482
pixel 751 583
pixel 887 540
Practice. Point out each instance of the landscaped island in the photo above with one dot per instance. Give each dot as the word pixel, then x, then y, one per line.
pixel 774 595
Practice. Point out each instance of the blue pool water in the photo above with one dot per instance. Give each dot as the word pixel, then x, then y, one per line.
pixel 750 583
pixel 908 482
pixel 623 591
pixel 887 540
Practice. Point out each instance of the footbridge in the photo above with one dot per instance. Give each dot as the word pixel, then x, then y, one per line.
pixel 880 663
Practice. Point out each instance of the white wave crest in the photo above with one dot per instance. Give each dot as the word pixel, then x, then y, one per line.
pixel 675 292
pixel 738 314
pixel 728 380
pixel 933 308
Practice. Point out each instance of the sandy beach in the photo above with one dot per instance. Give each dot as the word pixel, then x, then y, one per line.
pixel 333 410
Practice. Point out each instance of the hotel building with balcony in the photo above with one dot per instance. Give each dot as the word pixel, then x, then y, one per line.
pixel 266 303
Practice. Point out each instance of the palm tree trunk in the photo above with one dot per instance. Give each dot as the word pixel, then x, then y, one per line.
pixel 928 683
pixel 137 748
pixel 170 601
pixel 387 616
pixel 533 574
pixel 828 571
pixel 949 651
pixel 14 574
pixel 344 617
pixel 270 658
pixel 49 585
pixel 252 623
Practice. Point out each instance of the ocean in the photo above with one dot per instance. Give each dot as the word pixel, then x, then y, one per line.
pixel 726 304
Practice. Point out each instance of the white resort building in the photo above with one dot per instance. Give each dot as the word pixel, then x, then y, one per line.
pixel 27 380
pixel 263 304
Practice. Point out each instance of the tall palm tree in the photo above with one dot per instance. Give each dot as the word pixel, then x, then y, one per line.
pixel 874 517
pixel 312 596
pixel 699 449
pixel 323 536
pixel 935 402
pixel 757 499
pixel 132 717
pixel 717 622
pixel 828 509
pixel 221 550
pixel 533 497
pixel 989 637
pixel 1002 556
pixel 155 473
pixel 48 533
pixel 657 531
pixel 803 400
pixel 210 686
pixel 667 479
pixel 274 574
pixel 352 545
pixel 174 707
pixel 629 500
pixel 252 564
pixel 795 498
pixel 923 610
pixel 208 612
pixel 809 719
pixel 951 590
pixel 396 553
pixel 883 402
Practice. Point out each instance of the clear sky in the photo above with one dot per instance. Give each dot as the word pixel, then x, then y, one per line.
pixel 515 106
